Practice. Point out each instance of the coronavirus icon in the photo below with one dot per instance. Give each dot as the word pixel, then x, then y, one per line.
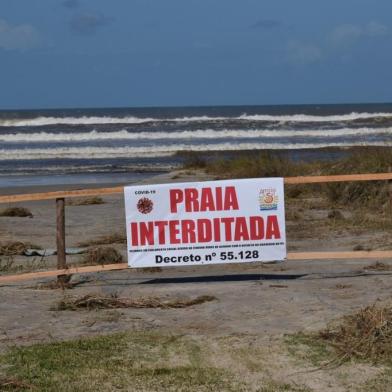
pixel 145 205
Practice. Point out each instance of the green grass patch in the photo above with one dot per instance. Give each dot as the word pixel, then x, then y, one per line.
pixel 127 361
pixel 309 348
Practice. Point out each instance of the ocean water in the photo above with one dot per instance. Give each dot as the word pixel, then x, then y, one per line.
pixel 43 145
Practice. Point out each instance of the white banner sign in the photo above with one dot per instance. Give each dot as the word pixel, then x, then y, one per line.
pixel 212 222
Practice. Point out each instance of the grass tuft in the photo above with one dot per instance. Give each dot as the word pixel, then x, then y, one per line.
pixel 335 215
pixel 378 266
pixel 365 335
pixel 7 264
pixel 14 248
pixel 85 201
pixel 20 212
pixel 102 255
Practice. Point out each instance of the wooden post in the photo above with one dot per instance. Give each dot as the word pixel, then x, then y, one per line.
pixel 60 238
pixel 390 193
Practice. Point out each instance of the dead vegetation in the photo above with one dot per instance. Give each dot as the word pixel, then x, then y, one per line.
pixel 378 266
pixel 115 238
pixel 102 255
pixel 15 248
pixel 97 301
pixel 7 264
pixel 151 270
pixel 60 284
pixel 365 335
pixel 342 286
pixel 9 384
pixel 20 212
pixel 85 201
pixel 360 247
pixel 335 214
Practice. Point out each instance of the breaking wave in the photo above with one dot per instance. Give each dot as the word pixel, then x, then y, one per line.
pixel 196 134
pixel 87 120
pixel 311 118
pixel 159 150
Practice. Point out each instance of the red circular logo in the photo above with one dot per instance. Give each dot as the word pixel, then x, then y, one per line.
pixel 145 205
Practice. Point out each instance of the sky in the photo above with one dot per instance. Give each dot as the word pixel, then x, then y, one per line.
pixel 132 53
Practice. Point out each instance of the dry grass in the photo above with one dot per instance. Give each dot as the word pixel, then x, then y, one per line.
pixel 14 248
pixel 7 264
pixel 91 302
pixel 362 247
pixel 60 284
pixel 85 201
pixel 102 255
pixel 361 193
pixel 9 384
pixel 251 164
pixel 378 266
pixel 335 215
pixel 151 270
pixel 116 238
pixel 341 286
pixel 256 164
pixel 20 212
pixel 293 215
pixel 365 335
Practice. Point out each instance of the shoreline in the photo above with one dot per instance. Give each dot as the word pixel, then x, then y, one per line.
pixel 152 178
pixel 91 179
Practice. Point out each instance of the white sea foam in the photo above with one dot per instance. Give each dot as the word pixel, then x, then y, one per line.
pixel 86 120
pixel 311 118
pixel 160 150
pixel 196 134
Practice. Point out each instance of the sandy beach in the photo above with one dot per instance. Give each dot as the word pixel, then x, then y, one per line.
pixel 208 193
pixel 254 302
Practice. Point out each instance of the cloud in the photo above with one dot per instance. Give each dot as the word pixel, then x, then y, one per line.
pixel 349 34
pixel 266 24
pixel 344 35
pixel 18 37
pixel 337 41
pixel 89 23
pixel 300 53
pixel 375 29
pixel 70 3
